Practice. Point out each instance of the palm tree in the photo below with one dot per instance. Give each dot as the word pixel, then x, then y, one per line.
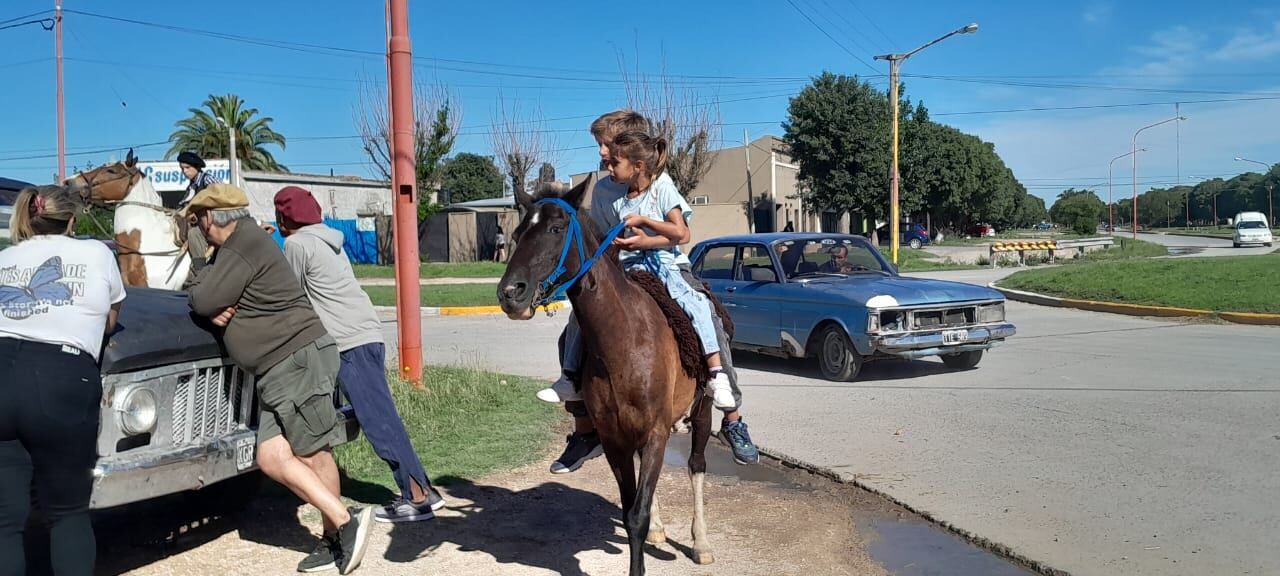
pixel 205 133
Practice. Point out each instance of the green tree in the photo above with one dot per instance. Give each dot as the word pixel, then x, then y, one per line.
pixel 468 177
pixel 203 134
pixel 838 131
pixel 1079 209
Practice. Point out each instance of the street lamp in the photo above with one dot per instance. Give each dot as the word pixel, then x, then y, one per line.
pixel 1111 211
pixel 1135 168
pixel 1271 208
pixel 895 61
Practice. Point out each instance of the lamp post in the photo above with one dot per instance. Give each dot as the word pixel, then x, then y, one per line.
pixel 1271 209
pixel 1135 168
pixel 895 62
pixel 1111 211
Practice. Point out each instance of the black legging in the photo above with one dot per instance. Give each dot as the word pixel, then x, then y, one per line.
pixel 48 432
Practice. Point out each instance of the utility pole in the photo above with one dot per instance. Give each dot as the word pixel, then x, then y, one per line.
pixel 405 198
pixel 751 198
pixel 231 154
pixel 62 126
pixel 895 61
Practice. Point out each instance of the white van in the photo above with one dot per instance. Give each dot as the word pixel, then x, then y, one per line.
pixel 1251 228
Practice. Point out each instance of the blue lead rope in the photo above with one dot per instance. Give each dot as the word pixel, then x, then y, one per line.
pixel 553 292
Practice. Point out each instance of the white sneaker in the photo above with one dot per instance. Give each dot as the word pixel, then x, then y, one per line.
pixel 722 392
pixel 560 391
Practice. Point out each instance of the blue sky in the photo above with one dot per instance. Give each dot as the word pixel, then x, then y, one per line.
pixel 127 84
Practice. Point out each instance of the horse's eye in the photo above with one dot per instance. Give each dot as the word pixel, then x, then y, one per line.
pixel 557 229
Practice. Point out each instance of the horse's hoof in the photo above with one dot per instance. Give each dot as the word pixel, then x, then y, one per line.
pixel 702 558
pixel 656 537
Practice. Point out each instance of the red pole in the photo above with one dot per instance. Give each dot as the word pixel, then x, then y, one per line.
pixel 405 206
pixel 62 134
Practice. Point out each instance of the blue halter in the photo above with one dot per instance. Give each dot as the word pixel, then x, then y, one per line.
pixel 551 291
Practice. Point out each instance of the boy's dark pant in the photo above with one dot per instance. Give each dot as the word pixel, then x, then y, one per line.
pixel 48 433
pixel 363 378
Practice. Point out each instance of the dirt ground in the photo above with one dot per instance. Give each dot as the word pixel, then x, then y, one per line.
pixel 763 520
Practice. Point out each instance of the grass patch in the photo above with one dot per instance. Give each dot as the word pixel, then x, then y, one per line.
pixel 1228 284
pixel 465 424
pixel 437 270
pixel 920 261
pixel 440 295
pixel 1125 249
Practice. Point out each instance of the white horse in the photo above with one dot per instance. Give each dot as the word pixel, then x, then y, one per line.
pixel 146 235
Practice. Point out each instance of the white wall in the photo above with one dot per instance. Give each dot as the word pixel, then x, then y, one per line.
pixel 339 197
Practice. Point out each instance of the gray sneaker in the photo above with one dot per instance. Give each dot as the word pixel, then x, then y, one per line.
pixel 353 537
pixel 321 558
pixel 402 510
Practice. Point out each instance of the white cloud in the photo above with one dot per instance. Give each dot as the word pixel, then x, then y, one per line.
pixel 1250 45
pixel 1167 57
pixel 1097 13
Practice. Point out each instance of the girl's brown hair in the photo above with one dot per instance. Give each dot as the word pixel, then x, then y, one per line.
pixel 609 126
pixel 641 148
pixel 44 210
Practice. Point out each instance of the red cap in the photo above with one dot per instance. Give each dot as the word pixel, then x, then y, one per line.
pixel 298 205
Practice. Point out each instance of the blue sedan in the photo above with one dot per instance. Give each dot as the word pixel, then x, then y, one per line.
pixel 833 297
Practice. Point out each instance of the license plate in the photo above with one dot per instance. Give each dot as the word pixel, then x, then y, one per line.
pixel 244 453
pixel 954 336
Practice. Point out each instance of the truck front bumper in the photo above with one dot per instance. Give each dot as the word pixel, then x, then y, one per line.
pixel 922 344
pixel 152 472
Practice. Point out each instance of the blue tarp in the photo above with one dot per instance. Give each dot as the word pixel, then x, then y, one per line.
pixel 361 247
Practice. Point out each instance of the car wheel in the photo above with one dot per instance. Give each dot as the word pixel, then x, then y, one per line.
pixel 837 359
pixel 915 244
pixel 962 360
pixel 1235 244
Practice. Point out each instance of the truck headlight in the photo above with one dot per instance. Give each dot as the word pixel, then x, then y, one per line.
pixel 137 411
pixel 992 313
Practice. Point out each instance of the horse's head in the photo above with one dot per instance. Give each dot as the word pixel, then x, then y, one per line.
pixel 109 183
pixel 540 240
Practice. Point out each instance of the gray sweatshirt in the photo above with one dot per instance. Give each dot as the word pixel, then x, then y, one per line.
pixel 315 254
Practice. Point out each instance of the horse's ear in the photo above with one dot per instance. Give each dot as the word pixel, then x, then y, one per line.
pixel 576 194
pixel 524 200
pixel 130 160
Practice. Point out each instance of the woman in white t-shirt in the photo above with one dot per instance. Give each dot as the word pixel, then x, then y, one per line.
pixel 59 296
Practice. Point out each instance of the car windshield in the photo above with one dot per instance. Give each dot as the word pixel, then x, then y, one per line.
pixel 833 256
pixel 1250 225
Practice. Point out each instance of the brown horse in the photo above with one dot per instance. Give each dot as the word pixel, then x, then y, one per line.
pixel 147 249
pixel 632 380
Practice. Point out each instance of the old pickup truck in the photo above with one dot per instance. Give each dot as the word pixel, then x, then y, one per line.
pixel 177 414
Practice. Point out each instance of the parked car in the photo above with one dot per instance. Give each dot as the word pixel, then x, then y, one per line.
pixel 1044 226
pixel 1251 228
pixel 909 234
pixel 834 298
pixel 177 414
pixel 981 231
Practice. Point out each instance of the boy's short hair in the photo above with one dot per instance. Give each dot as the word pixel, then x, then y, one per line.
pixel 609 126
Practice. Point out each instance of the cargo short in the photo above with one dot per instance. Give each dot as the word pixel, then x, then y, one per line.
pixel 295 398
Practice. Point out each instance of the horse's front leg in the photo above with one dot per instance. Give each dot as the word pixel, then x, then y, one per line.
pixel 697 477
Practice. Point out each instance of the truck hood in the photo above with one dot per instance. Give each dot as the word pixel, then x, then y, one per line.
pixel 889 291
pixel 156 328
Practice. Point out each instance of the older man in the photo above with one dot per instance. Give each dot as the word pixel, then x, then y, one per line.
pixel 272 331
pixel 314 251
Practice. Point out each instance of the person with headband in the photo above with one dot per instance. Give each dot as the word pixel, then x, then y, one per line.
pixel 59 297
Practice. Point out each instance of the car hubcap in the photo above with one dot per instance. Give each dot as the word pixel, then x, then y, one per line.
pixel 833 353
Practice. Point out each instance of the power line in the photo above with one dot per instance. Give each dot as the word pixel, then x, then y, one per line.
pixel 872 22
pixel 830 37
pixel 851 26
pixel 1098 106
pixel 46 23
pixel 24 17
pixel 85 153
pixel 1081 86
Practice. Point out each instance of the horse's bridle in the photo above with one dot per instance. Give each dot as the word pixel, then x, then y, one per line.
pixel 548 289
pixel 134 176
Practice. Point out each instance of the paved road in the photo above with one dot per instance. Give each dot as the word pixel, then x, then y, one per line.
pixel 1200 246
pixel 1099 444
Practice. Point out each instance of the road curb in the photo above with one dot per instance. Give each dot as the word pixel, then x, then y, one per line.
pixel 852 480
pixel 389 312
pixel 1136 309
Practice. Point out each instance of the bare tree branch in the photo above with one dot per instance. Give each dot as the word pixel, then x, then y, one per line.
pixel 437 118
pixel 689 122
pixel 521 141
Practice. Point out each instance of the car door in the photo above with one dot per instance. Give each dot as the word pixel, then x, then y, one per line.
pixel 757 295
pixel 717 267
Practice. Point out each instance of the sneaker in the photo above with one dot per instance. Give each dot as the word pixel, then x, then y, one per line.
pixel 560 391
pixel 353 537
pixel 722 392
pixel 434 499
pixel 735 435
pixel 402 510
pixel 321 558
pixel 578 449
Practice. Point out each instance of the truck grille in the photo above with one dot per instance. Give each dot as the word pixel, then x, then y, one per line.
pixel 208 403
pixel 926 319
